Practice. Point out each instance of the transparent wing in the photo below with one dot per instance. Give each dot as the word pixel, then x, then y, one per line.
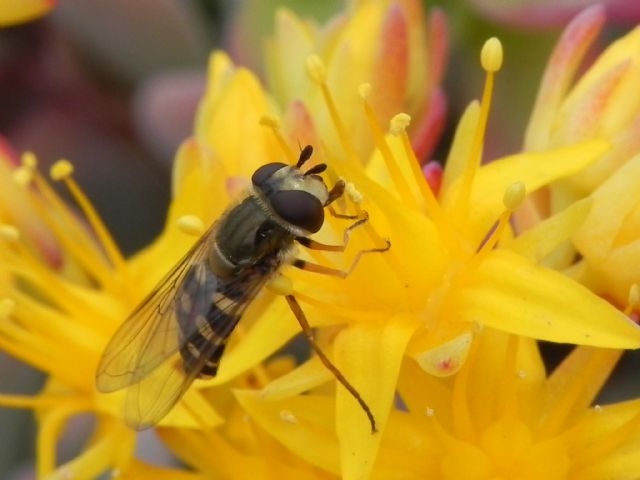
pixel 154 395
pixel 144 355
pixel 151 334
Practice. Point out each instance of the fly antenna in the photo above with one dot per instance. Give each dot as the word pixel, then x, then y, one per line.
pixel 305 154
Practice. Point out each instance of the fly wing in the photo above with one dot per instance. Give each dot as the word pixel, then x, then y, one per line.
pixel 177 333
pixel 151 333
pixel 198 352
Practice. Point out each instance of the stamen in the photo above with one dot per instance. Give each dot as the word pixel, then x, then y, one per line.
pixel 633 301
pixel 191 225
pixel 23 176
pixel 274 125
pixel 491 59
pixel 9 233
pixel 29 160
pixel 397 178
pixel 513 197
pixel 318 74
pixel 398 127
pixel 63 170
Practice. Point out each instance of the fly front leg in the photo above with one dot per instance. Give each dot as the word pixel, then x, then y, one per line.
pixel 314 245
pixel 335 272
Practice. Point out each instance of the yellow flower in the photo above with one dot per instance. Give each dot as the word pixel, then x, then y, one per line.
pixel 12 13
pixel 500 417
pixel 389 44
pixel 609 239
pixel 601 103
pixel 441 282
pixel 60 322
pixel 442 277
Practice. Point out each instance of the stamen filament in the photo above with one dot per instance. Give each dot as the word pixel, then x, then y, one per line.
pixel 474 159
pixel 107 241
pixel 317 72
pixel 402 187
pixel 274 125
pixel 74 239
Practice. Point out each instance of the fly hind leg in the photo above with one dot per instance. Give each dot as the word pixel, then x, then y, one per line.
pixel 308 332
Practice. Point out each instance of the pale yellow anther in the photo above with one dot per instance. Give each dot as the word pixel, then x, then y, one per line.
pixel 9 233
pixel 61 170
pixel 23 176
pixel 270 121
pixel 634 295
pixel 399 123
pixel 353 193
pixel 7 305
pixel 191 225
pixel 316 69
pixel 514 195
pixel 364 90
pixel 29 160
pixel 491 55
pixel 281 285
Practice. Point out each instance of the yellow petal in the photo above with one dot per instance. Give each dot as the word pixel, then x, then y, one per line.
pixel 298 423
pixel 539 241
pixel 12 12
pixel 533 169
pixel 512 294
pixel 292 44
pixel 307 376
pixel 613 201
pixel 369 355
pixel 457 160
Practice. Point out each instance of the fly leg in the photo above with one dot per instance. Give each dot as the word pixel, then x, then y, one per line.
pixel 335 272
pixel 308 332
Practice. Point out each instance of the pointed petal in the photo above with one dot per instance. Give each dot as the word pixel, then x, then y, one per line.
pixel 533 169
pixel 298 423
pixel 292 44
pixel 307 376
pixel 369 356
pixel 512 294
pixel 600 231
pixel 457 160
pixel 12 13
pixel 563 63
pixel 574 384
pixel 542 239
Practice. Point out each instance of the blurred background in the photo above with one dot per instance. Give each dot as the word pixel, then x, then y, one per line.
pixel 112 85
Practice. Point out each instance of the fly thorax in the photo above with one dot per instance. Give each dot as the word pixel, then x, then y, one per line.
pixel 248 234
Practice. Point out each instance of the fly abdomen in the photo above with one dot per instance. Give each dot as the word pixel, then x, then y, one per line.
pixel 205 345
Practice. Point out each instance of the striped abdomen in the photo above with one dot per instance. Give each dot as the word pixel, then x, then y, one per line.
pixel 207 310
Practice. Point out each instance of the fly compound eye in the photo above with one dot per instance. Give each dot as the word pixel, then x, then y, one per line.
pixel 263 174
pixel 299 208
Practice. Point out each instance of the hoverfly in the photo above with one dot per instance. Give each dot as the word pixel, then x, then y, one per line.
pixel 179 331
